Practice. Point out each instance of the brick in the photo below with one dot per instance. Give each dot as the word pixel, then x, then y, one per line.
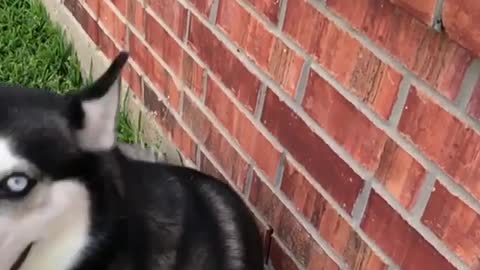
pixel 268 8
pixel 93 5
pixel 224 64
pixel 134 80
pixel 320 260
pixel 88 23
pixel 401 174
pixel 331 226
pixel 444 139
pixel 121 5
pixel 422 10
pixel 136 15
pixel 428 54
pixel 341 120
pixel 163 44
pixel 355 67
pixel 172 13
pixel 139 53
pixel 164 82
pixel 268 51
pixel 193 75
pixel 335 176
pixel 91 27
pixel 204 6
pixel 375 83
pixel 330 46
pixel 243 130
pixel 455 223
pixel 206 166
pixel 402 243
pixel 106 45
pixel 110 21
pixel 169 124
pixel 461 19
pixel 208 135
pixel 287 228
pixel 74 7
pixel 474 104
pixel 279 258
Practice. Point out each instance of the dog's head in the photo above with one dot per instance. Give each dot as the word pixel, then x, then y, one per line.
pixel 47 145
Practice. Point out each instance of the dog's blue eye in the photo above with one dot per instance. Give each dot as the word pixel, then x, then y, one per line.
pixel 17 183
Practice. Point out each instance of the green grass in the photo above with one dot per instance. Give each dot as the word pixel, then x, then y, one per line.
pixel 34 53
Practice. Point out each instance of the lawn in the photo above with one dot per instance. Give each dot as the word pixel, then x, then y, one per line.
pixel 34 53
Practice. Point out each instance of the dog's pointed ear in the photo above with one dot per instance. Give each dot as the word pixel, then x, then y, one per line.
pixel 94 109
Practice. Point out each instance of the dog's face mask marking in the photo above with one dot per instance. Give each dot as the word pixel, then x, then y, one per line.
pixel 46 141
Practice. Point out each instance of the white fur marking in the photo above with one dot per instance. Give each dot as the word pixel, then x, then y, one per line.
pixel 100 119
pixel 67 235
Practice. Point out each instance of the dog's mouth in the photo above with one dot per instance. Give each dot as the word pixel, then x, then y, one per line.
pixel 22 257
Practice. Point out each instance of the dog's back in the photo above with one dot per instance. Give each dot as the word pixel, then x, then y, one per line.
pixel 177 218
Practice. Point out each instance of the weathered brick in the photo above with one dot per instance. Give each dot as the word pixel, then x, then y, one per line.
pixel 455 223
pixel 192 74
pixel 204 6
pixel 88 23
pixel 452 145
pixel 285 225
pixel 335 176
pixel 332 227
pixel 136 15
pixel 207 166
pixel 164 82
pixel 110 21
pixel 243 130
pixel 348 126
pixel 224 64
pixel 375 83
pixel 398 240
pixel 268 8
pixel 163 44
pixel 353 66
pixel 279 259
pixel 90 26
pixel 208 135
pixel 139 52
pixel 320 260
pixel 169 124
pixel 474 104
pixel 401 174
pixel 121 5
pixel 134 80
pixel 268 51
pixel 332 47
pixel 461 19
pixel 106 45
pixel 172 13
pixel 428 54
pixel 93 5
pixel 422 10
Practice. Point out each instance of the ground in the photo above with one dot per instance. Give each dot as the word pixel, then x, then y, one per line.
pixel 34 53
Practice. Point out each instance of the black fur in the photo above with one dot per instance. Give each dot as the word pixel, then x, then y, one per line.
pixel 146 216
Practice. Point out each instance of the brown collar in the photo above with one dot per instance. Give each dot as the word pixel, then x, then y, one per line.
pixel 22 257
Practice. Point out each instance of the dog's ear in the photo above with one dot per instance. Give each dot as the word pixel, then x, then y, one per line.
pixel 93 110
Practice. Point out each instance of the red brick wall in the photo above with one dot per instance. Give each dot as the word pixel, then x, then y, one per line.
pixel 351 127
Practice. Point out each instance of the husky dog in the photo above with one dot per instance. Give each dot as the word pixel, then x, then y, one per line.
pixel 71 200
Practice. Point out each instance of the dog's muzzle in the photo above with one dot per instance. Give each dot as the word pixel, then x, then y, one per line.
pixel 22 257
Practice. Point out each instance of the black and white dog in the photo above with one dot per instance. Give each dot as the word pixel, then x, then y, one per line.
pixel 71 200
